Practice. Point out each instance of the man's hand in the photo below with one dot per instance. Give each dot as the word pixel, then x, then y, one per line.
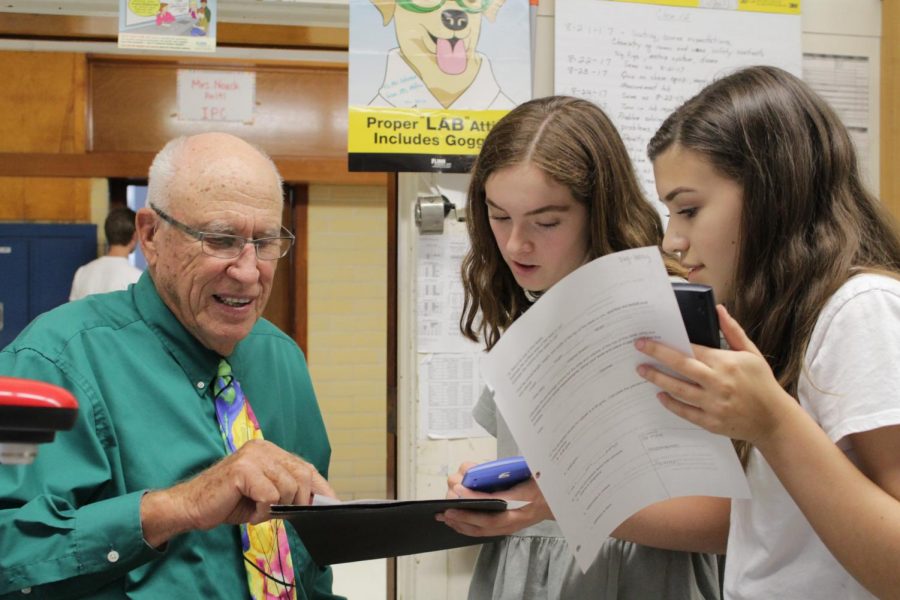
pixel 238 489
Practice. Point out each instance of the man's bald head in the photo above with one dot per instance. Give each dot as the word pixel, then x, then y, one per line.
pixel 188 167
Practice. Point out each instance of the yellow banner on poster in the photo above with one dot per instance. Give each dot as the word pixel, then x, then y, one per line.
pixel 379 130
pixel 786 7
pixel 679 3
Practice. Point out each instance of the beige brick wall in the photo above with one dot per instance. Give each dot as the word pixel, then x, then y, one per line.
pixel 348 331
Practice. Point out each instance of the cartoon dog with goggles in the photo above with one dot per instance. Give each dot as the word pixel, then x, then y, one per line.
pixel 436 64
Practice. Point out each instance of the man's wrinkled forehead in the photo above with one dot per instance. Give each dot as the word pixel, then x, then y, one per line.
pixel 238 176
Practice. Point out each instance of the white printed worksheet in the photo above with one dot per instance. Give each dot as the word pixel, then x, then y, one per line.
pixel 565 381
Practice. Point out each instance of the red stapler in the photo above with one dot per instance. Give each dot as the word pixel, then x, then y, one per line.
pixel 31 412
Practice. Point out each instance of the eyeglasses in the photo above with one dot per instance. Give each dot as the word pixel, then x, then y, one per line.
pixel 427 6
pixel 223 245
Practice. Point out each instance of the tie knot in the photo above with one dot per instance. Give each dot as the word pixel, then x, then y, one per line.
pixel 224 369
pixel 222 386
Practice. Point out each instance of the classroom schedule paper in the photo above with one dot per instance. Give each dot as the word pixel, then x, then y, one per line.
pixel 565 380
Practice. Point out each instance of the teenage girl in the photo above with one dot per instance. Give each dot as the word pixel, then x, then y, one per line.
pixel 552 189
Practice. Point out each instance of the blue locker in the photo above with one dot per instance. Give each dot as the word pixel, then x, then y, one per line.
pixel 37 263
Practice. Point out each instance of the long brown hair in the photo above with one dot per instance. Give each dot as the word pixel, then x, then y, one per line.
pixel 575 144
pixel 807 220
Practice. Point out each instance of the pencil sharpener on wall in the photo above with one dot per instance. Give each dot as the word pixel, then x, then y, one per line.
pixel 430 212
pixel 31 412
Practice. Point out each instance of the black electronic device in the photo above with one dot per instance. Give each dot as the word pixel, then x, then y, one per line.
pixel 698 311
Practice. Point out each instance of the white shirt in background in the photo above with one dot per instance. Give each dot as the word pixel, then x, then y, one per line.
pixel 105 274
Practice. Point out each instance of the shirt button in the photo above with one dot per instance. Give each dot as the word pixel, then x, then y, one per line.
pixel 200 385
pixel 113 556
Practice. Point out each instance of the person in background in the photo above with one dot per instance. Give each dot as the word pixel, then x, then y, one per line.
pixel 553 188
pixel 113 271
pixel 195 413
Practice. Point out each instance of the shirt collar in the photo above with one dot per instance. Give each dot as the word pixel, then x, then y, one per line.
pixel 198 362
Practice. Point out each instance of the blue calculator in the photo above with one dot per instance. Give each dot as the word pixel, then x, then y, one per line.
pixel 497 474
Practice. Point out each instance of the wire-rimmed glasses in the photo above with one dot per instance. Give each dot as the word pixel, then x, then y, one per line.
pixel 224 245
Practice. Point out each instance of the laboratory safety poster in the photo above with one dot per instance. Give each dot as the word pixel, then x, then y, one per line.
pixel 174 25
pixel 429 78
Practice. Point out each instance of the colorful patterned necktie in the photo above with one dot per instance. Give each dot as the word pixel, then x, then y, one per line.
pixel 267 556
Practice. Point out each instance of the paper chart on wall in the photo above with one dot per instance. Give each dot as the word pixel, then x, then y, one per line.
pixel 439 294
pixel 449 386
pixel 640 61
pixel 844 82
pixel 565 381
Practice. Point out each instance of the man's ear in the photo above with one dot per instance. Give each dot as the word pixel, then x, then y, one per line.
pixel 493 9
pixel 146 228
pixel 386 8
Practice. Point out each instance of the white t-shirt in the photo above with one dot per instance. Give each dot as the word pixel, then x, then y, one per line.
pixel 851 385
pixel 105 274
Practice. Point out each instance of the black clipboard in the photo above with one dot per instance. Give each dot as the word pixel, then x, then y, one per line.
pixel 352 531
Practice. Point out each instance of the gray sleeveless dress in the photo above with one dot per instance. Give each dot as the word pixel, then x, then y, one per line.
pixel 535 564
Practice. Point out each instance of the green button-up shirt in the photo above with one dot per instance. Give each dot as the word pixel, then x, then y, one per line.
pixel 70 523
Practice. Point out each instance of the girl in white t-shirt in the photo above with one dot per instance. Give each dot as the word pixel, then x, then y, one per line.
pixel 767 206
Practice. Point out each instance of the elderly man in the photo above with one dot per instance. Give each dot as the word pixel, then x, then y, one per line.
pixel 194 410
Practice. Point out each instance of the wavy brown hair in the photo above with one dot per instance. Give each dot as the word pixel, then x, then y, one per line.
pixel 807 222
pixel 575 144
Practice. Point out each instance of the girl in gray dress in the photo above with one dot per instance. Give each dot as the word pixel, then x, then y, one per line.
pixel 552 189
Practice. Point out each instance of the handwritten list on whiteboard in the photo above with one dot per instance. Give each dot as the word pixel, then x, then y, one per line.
pixel 639 62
